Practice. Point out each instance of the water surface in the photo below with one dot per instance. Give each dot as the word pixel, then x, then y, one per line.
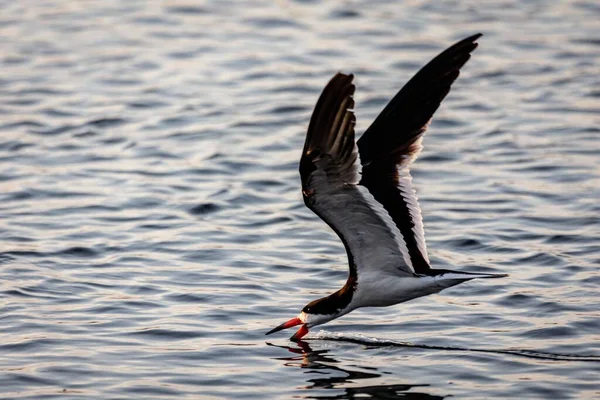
pixel 152 228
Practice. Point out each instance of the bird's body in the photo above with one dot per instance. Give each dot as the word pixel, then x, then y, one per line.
pixel 363 191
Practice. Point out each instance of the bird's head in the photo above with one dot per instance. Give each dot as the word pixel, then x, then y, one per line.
pixel 314 313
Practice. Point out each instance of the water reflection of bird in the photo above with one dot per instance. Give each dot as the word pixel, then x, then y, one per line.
pixel 363 191
pixel 328 370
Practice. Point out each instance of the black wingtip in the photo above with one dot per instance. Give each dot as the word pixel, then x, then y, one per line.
pixel 405 118
pixel 465 45
pixel 471 39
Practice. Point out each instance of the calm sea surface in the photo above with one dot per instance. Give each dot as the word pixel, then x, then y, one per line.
pixel 151 222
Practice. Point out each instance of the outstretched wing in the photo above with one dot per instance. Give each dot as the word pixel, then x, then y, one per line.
pixel 330 172
pixel 393 141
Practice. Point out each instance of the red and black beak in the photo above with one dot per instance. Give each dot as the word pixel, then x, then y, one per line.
pixel 292 322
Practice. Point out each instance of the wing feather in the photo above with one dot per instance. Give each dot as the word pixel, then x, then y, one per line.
pixel 330 173
pixel 393 141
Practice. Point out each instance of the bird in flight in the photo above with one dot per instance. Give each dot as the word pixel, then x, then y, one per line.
pixel 363 191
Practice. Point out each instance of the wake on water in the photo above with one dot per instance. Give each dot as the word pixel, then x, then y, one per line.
pixel 375 342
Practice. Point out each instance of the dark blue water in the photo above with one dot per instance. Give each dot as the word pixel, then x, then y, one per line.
pixel 152 228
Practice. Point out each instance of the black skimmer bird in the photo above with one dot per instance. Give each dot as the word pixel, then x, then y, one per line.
pixel 363 191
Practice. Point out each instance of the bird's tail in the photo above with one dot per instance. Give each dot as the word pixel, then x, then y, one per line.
pixel 447 278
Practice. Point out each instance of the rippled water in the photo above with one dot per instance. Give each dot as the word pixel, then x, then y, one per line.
pixel 152 228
